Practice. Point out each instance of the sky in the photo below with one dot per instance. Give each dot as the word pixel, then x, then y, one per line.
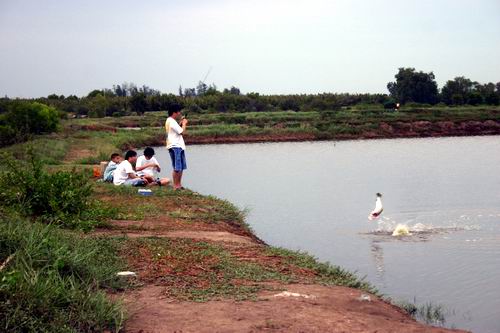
pixel 265 46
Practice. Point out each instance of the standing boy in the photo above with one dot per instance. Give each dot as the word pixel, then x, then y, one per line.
pixel 176 146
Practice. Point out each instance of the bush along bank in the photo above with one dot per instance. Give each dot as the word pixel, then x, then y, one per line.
pixel 52 280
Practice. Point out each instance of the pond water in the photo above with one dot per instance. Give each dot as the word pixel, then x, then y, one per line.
pixel 316 196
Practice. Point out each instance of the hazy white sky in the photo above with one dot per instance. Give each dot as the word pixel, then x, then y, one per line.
pixel 271 47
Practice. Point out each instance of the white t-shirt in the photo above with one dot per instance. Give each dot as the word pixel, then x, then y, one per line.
pixel 174 134
pixel 150 171
pixel 120 175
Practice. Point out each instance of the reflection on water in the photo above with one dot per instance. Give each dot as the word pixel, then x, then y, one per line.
pixel 315 197
pixel 378 259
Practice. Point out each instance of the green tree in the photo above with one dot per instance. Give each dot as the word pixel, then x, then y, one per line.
pixel 94 93
pixel 233 91
pixel 189 92
pixel 459 86
pixel 23 119
pixel 475 98
pixel 488 93
pixel 289 103
pixel 138 103
pixel 98 106
pixel 212 90
pixel 171 102
pixel 492 98
pixel 412 86
pixel 201 88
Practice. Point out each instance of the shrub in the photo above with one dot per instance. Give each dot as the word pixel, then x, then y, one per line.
pixel 24 119
pixel 61 197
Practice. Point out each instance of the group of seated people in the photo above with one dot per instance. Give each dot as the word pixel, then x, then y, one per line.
pixel 121 171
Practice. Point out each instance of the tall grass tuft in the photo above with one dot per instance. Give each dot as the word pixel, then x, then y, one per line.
pixel 54 280
pixel 326 274
pixel 429 313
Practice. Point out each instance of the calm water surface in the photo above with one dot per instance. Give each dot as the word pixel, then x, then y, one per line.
pixel 315 196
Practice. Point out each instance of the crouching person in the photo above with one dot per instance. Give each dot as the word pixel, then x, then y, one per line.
pixel 125 173
pixel 147 166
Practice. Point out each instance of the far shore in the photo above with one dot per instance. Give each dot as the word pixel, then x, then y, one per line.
pixel 421 129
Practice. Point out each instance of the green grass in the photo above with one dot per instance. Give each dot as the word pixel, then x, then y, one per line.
pixel 189 206
pixel 101 155
pixel 429 313
pixel 51 149
pixel 325 273
pixel 198 271
pixel 218 210
pixel 138 212
pixel 104 143
pixel 55 280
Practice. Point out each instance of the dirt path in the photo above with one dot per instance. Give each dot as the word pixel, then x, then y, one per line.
pixel 300 308
pixel 278 307
pixel 214 236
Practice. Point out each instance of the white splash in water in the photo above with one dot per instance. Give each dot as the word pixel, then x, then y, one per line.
pixel 420 227
pixel 474 240
pixel 385 225
pixel 401 230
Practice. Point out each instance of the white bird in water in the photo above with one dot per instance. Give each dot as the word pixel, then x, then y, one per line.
pixel 375 214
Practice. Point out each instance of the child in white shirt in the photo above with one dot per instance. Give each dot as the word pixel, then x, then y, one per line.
pixel 147 166
pixel 124 173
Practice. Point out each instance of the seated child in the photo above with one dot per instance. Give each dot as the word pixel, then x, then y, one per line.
pixel 110 168
pixel 125 173
pixel 147 166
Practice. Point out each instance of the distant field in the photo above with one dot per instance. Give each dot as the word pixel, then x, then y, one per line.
pixel 103 136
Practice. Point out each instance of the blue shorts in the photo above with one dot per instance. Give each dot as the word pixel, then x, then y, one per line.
pixel 178 159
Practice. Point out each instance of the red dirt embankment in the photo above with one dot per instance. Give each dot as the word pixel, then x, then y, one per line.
pixel 416 129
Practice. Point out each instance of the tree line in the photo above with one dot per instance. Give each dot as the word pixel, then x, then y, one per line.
pixel 410 86
pixel 420 87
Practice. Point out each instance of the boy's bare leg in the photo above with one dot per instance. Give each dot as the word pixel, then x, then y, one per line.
pixel 174 179
pixel 180 179
pixel 177 175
